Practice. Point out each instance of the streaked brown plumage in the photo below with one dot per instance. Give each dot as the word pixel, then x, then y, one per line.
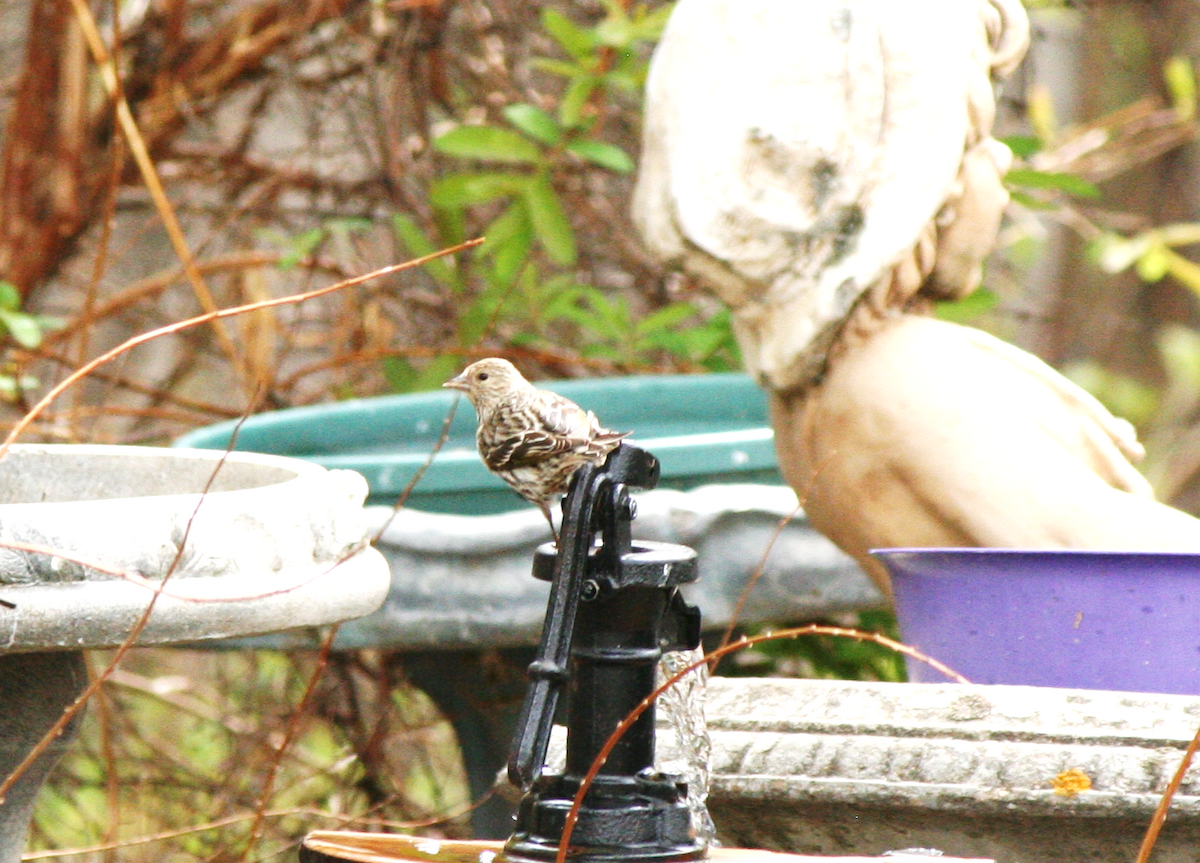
pixel 532 439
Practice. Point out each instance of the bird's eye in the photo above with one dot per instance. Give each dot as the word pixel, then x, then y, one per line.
pixel 483 376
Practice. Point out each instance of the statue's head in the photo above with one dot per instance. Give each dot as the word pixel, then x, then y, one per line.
pixel 805 158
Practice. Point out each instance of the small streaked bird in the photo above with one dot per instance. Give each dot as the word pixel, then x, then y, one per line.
pixel 532 439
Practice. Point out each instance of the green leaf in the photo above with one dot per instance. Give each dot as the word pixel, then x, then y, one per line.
pixel 475 320
pixel 549 220
pixel 649 25
pixel 50 323
pixel 451 224
pixel 1154 263
pixel 562 302
pixel 349 225
pixel 1069 183
pixel 1180 78
pixel 301 246
pixel 11 387
pixel 573 39
pixel 1113 253
pixel 399 373
pixel 509 237
pixel 1023 146
pixel 403 377
pixel 574 98
pixel 600 316
pixel 619 317
pixel 616 31
pixel 1123 395
pixel 24 328
pixel 436 372
pixel 1179 348
pixel 510 259
pixel 723 353
pixel 702 343
pixel 534 122
pixel 488 144
pixel 524 340
pixel 630 81
pixel 558 67
pixel 1031 203
pixel 513 222
pixel 456 191
pixel 574 307
pixel 10 297
pixel 410 234
pixel 968 308
pixel 669 317
pixel 605 155
pixel 418 246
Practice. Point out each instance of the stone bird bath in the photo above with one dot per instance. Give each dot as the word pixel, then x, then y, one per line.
pixel 251 543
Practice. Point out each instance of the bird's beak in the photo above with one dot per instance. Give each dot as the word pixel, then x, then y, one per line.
pixel 458 382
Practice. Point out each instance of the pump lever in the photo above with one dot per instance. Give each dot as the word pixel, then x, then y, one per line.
pixel 627 466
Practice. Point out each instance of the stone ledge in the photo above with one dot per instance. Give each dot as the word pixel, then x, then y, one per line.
pixel 829 767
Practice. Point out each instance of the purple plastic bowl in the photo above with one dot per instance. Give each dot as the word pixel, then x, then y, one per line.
pixel 1078 619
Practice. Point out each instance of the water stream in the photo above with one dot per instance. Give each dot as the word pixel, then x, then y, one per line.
pixel 683 707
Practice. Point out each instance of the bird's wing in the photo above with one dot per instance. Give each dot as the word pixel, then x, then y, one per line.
pixel 546 427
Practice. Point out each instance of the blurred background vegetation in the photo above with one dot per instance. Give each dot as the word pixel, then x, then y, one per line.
pixel 299 142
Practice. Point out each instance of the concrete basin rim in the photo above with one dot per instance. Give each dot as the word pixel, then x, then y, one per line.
pixel 298 470
pixel 300 597
pixel 288 462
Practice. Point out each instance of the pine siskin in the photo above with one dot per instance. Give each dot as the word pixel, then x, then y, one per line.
pixel 532 439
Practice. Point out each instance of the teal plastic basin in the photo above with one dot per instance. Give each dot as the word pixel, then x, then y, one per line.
pixel 703 428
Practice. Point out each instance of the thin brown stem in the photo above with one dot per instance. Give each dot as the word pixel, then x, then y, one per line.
pixel 293 730
pixel 727 636
pixel 1160 813
pixel 86 369
pixel 141 155
pixel 437 447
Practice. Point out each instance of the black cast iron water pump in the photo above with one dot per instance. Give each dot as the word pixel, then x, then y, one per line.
pixel 614 607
